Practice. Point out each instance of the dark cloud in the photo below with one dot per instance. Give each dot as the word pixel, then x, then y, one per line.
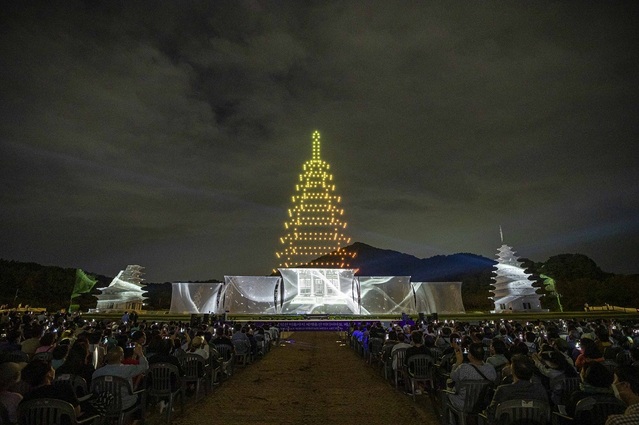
pixel 171 134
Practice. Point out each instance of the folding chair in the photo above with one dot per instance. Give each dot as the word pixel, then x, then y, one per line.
pixel 474 394
pixel 419 371
pixel 529 412
pixel 50 411
pixel 164 383
pixel 398 361
pixel 194 369
pixel 76 383
pixel 119 387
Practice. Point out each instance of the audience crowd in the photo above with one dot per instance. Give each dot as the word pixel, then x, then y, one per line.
pixel 44 356
pixel 546 366
pixel 559 367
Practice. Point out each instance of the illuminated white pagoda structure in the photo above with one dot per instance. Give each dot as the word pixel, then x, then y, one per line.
pixel 315 226
pixel 513 290
pixel 124 292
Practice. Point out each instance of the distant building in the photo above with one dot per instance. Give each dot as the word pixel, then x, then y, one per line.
pixel 124 292
pixel 513 290
pixel 315 226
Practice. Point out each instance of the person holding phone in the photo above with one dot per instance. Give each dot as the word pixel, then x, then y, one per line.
pixel 474 370
pixel 114 367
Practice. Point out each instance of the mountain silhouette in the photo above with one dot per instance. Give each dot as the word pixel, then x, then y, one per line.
pixel 372 261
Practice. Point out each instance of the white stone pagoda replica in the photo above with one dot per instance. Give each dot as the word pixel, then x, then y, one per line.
pixel 124 293
pixel 513 290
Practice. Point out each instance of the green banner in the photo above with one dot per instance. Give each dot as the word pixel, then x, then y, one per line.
pixel 83 283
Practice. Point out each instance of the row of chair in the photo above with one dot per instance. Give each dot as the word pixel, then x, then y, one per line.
pixel 163 382
pixel 433 371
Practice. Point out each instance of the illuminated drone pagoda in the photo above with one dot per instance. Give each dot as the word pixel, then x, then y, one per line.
pixel 513 288
pixel 314 227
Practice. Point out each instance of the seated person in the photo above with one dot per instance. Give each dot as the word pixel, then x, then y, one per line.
pixel 401 343
pixel 9 376
pixel 522 388
pixel 78 363
pixel 388 345
pixel 59 354
pixel 596 380
pixel 497 356
pixel 517 348
pixel 138 338
pixel 589 353
pixel 130 358
pixel 417 347
pixel 626 388
pixel 553 365
pixel 162 354
pixel 31 342
pixel 198 346
pixel 474 370
pixel 443 340
pixel 39 375
pixel 47 343
pixel 114 367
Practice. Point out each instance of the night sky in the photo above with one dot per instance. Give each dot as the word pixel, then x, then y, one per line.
pixel 171 134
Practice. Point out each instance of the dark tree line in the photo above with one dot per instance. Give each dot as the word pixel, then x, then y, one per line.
pixel 36 285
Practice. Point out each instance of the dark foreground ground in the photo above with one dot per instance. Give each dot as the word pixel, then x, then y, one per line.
pixel 311 378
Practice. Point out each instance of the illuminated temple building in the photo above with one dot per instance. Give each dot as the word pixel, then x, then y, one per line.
pixel 315 226
pixel 513 290
pixel 124 292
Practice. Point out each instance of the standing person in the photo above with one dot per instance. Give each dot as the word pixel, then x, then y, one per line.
pixel 626 388
pixel 125 317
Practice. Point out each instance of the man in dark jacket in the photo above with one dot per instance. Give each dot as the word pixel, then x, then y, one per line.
pixel 522 388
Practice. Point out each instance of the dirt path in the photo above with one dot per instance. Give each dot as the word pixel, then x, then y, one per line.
pixel 311 378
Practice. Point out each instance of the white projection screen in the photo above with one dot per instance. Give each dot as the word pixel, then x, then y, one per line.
pixel 439 297
pixel 386 295
pixel 317 291
pixel 250 294
pixel 194 298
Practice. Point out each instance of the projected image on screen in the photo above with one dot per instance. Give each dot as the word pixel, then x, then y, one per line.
pixel 251 294
pixel 318 291
pixel 386 295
